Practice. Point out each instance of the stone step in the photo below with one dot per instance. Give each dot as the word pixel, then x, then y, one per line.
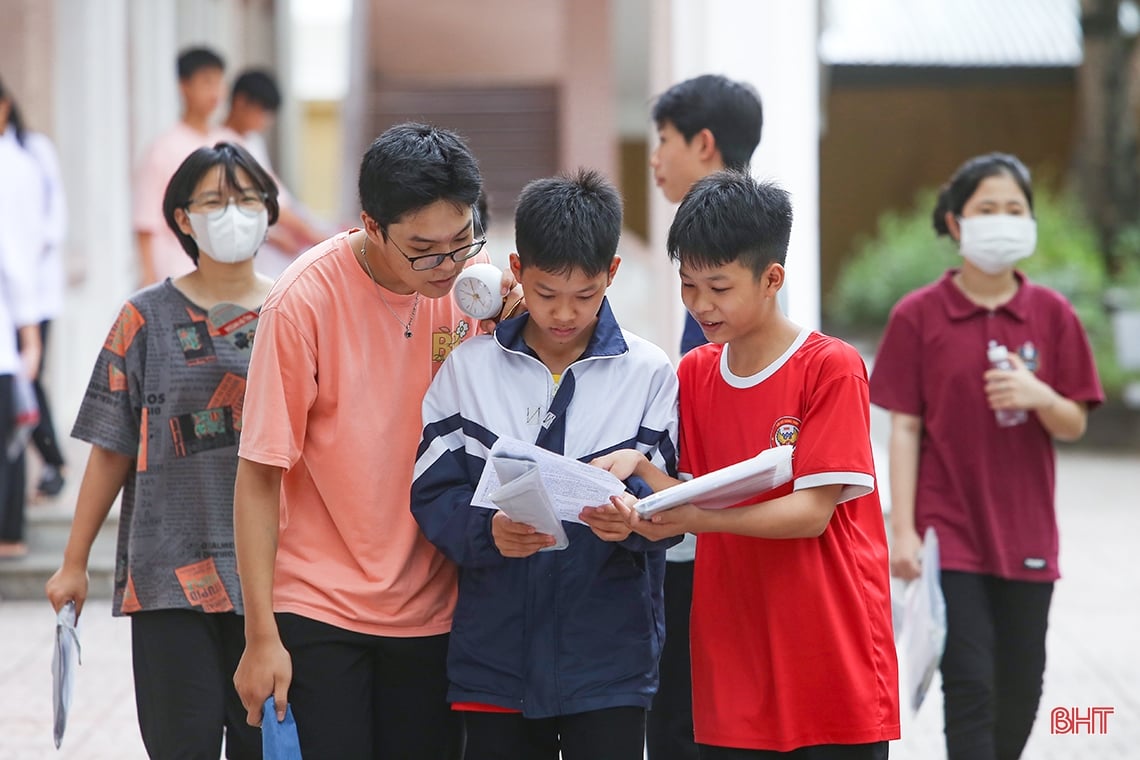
pixel 24 577
pixel 46 530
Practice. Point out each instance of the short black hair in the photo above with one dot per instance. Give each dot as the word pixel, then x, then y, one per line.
pixel 259 87
pixel 729 216
pixel 730 110
pixel 568 222
pixel 953 196
pixel 413 165
pixel 186 178
pixel 193 60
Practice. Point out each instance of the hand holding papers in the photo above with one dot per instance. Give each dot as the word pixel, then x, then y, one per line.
pixel 540 488
pixel 922 625
pixel 64 659
pixel 727 486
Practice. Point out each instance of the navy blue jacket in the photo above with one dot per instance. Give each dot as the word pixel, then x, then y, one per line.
pixel 558 632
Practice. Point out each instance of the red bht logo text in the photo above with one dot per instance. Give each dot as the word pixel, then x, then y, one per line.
pixel 1075 720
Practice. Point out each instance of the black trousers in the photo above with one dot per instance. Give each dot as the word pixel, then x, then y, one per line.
pixel 369 697
pixel 874 751
pixel 12 478
pixel 184 663
pixel 43 437
pixel 617 733
pixel 669 725
pixel 993 665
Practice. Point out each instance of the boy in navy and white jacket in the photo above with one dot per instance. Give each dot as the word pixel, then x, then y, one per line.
pixel 551 651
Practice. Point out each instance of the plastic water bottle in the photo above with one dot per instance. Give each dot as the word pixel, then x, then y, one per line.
pixel 998 356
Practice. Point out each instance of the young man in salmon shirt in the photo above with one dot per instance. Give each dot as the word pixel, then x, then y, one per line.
pixel 348 606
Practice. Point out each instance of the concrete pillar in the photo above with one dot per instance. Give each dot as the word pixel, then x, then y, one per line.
pixel 772 44
pixel 356 137
pixel 153 84
pixel 92 128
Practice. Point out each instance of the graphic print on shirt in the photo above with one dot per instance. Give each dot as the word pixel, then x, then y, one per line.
pixel 786 431
pixel 1029 355
pixel 230 393
pixel 235 323
pixel 195 341
pixel 116 379
pixel 204 430
pixel 123 332
pixel 445 339
pixel 130 598
pixel 203 586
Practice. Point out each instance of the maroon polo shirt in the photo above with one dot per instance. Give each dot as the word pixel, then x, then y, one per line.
pixel 986 490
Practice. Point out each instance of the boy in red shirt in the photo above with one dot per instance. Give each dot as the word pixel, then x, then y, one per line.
pixel 791 625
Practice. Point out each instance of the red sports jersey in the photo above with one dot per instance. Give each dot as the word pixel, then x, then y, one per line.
pixel 791 639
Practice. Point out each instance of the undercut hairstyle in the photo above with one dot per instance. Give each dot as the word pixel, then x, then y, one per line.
pixel 570 222
pixel 259 88
pixel 730 110
pixel 953 196
pixel 413 165
pixel 231 157
pixel 729 216
pixel 193 60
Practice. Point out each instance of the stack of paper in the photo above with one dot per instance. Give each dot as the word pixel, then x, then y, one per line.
pixel 727 486
pixel 540 488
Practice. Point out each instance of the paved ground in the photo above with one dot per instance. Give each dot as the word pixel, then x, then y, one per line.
pixel 1092 645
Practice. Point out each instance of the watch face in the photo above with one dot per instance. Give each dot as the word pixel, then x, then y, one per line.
pixel 476 299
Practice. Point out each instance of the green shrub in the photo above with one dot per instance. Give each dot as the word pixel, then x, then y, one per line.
pixel 905 254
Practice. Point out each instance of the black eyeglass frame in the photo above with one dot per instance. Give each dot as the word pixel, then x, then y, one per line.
pixel 471 250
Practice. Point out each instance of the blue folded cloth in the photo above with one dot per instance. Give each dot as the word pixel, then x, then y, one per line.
pixel 278 739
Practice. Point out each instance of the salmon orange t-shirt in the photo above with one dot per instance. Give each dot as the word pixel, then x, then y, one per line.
pixel 333 397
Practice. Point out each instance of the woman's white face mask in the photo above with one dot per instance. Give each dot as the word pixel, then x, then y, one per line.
pixel 229 236
pixel 995 242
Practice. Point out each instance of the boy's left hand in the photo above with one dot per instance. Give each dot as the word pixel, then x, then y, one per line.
pixel 513 303
pixel 1017 388
pixel 606 521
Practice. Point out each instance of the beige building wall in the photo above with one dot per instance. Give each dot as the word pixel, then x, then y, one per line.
pixel 320 158
pixel 26 55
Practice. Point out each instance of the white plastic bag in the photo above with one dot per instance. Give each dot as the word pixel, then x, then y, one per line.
pixel 922 626
pixel 25 415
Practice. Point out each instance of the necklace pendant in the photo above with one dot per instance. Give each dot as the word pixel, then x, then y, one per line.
pixel 408 334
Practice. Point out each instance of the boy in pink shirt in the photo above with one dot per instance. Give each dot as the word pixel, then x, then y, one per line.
pixel 200 85
pixel 348 606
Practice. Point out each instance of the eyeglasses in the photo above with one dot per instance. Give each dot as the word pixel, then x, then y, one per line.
pixel 433 260
pixel 213 205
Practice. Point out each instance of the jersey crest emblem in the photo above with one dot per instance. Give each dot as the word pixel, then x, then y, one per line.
pixel 786 431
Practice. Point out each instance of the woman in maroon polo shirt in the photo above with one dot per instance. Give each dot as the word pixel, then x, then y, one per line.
pixel 966 463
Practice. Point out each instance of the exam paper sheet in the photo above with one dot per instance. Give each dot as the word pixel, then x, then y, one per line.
pixel 570 484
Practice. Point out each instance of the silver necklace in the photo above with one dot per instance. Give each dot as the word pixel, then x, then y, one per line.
pixel 415 304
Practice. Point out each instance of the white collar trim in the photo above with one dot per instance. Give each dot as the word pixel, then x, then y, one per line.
pixel 753 380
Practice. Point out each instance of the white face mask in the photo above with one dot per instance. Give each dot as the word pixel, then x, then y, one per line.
pixel 231 235
pixel 995 242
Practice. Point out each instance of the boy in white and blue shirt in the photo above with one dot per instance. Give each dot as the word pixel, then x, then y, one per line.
pixel 551 651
